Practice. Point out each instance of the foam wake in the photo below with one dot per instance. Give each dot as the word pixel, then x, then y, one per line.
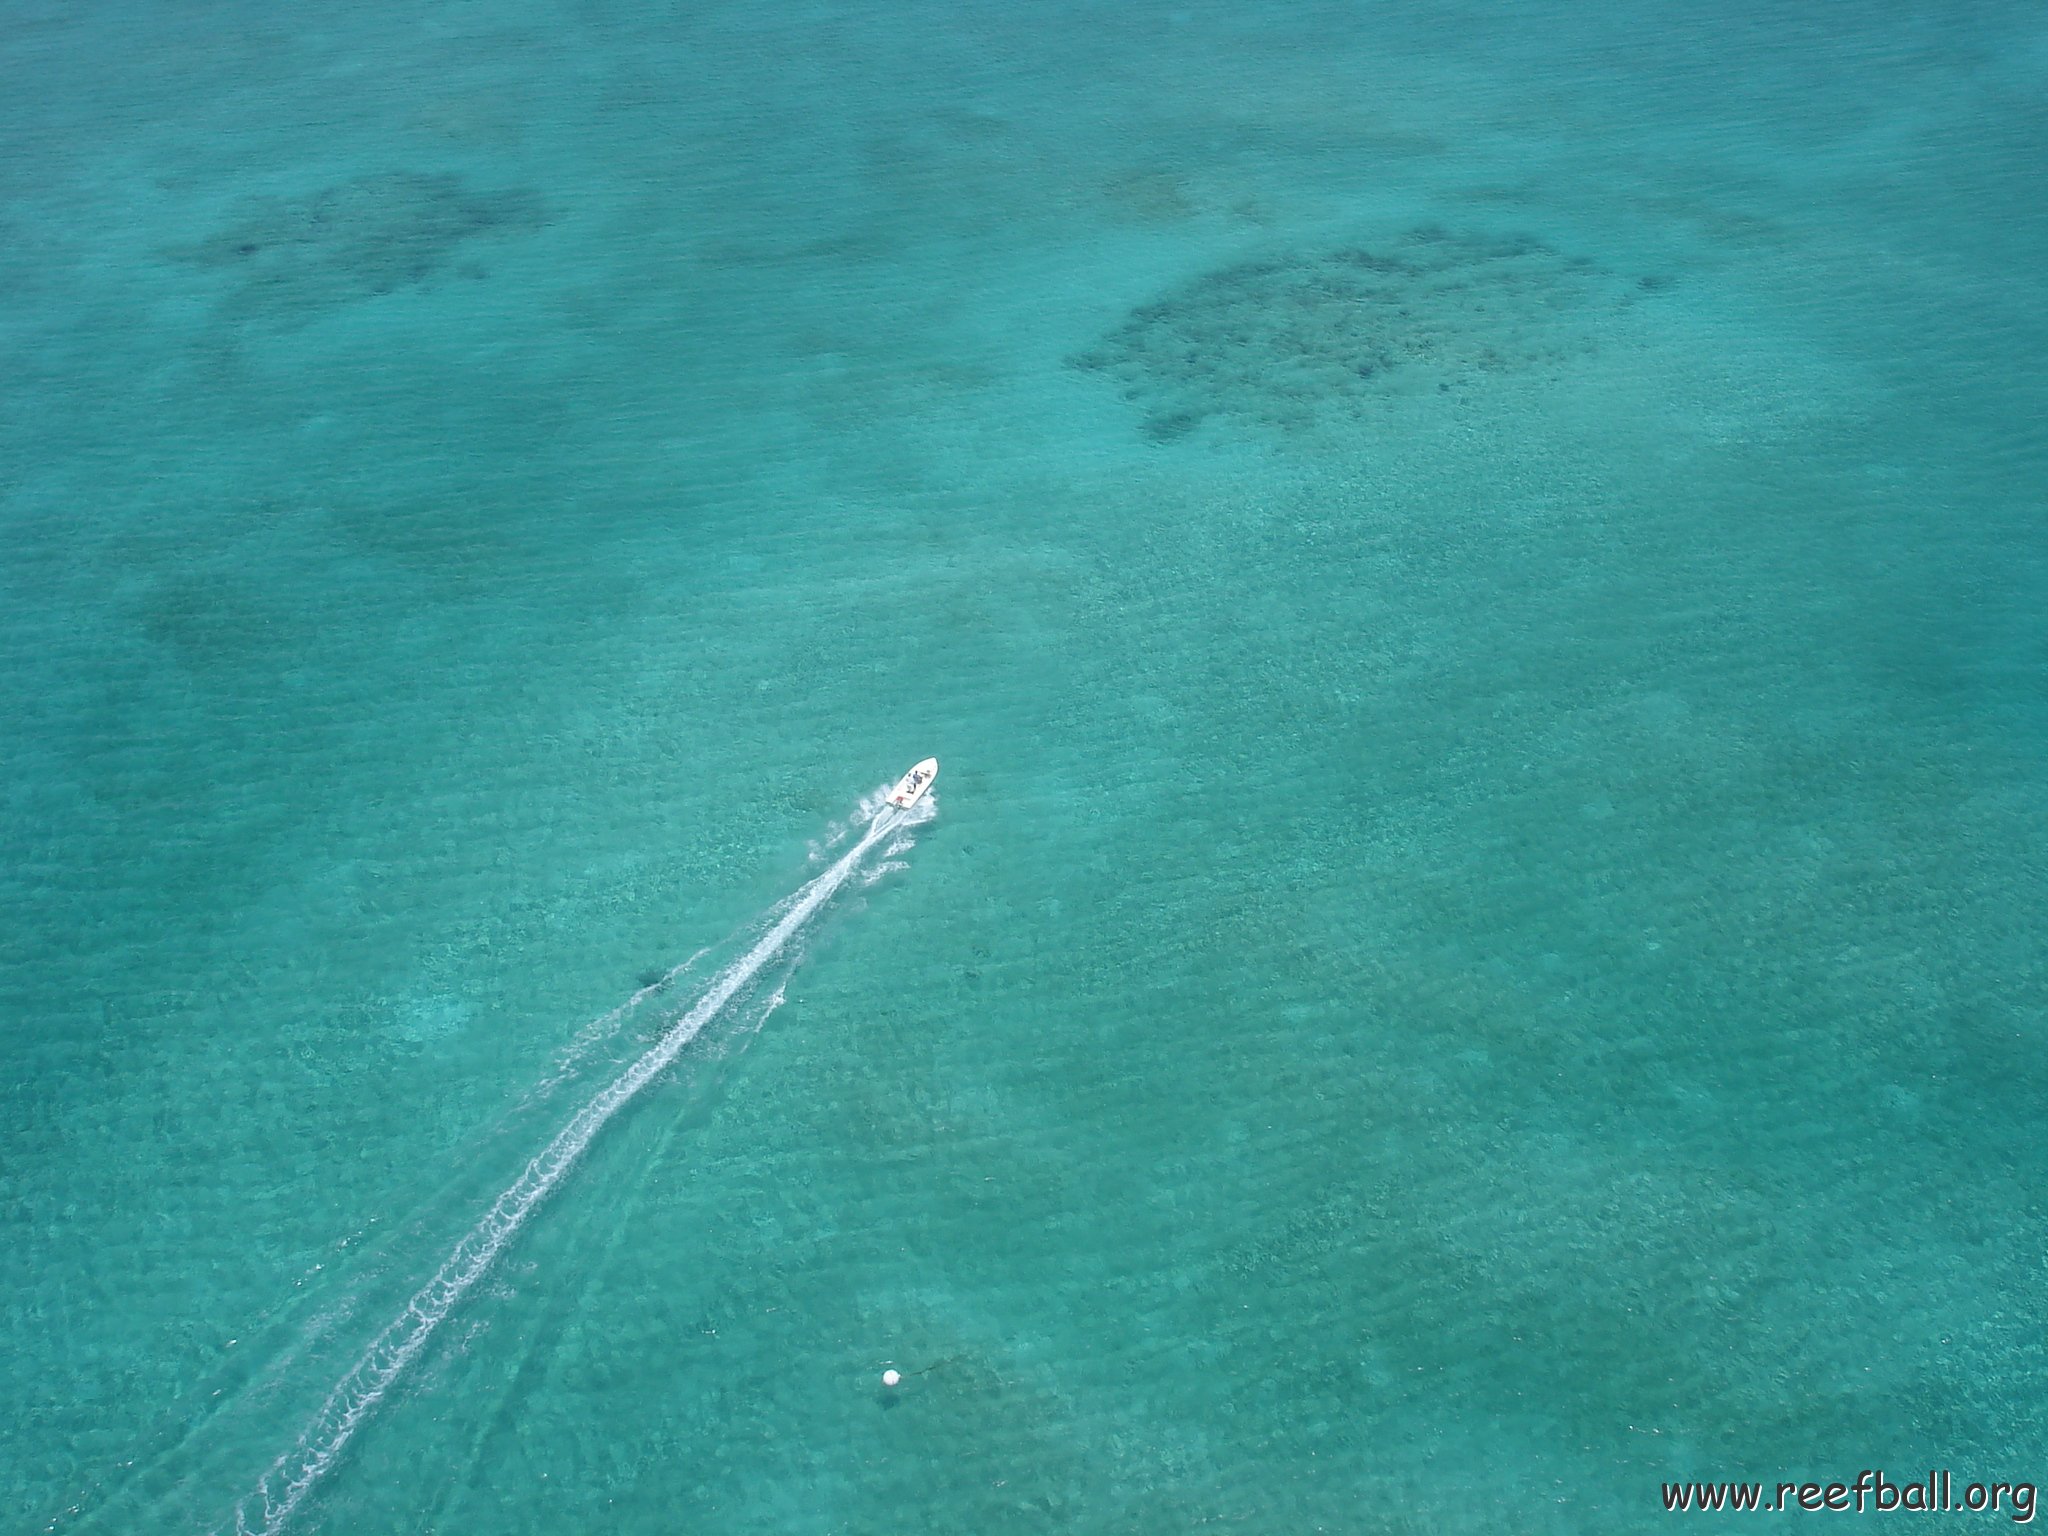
pixel 267 1507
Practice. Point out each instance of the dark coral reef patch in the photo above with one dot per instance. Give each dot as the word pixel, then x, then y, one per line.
pixel 1290 343
pixel 375 235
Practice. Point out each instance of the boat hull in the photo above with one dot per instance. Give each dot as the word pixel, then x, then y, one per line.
pixel 911 787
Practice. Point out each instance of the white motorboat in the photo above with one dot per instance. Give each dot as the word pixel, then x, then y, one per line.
pixel 911 787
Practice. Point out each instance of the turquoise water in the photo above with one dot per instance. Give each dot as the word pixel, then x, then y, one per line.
pixel 1476 573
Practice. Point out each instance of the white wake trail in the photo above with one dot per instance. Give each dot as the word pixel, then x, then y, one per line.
pixel 264 1511
pixel 601 1028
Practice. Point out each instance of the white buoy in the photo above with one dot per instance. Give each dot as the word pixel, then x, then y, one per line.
pixel 891 1378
